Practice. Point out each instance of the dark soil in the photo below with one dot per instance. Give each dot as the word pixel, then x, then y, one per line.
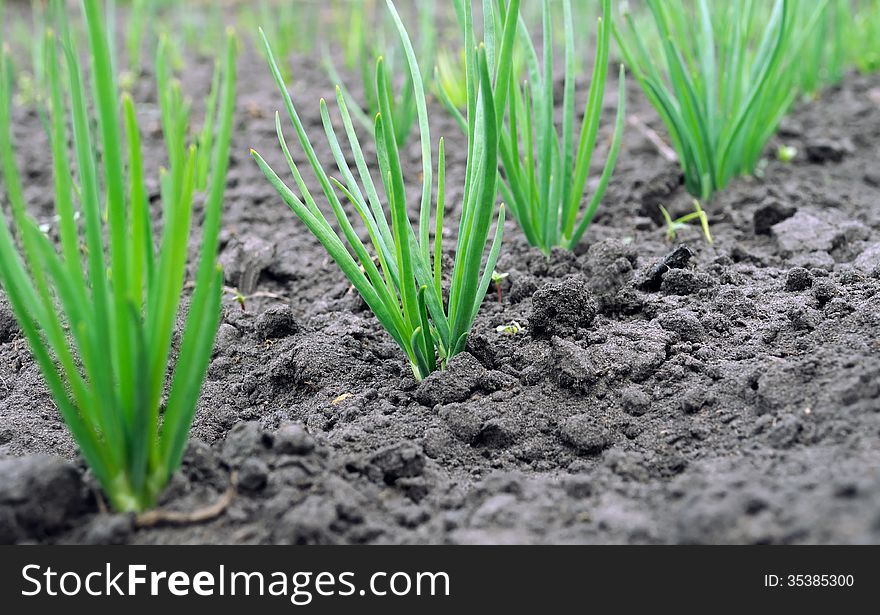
pixel 657 392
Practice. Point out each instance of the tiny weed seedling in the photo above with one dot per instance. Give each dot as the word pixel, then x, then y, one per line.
pixel 496 280
pixel 674 226
pixel 786 153
pixel 99 313
pixel 404 289
pixel 510 329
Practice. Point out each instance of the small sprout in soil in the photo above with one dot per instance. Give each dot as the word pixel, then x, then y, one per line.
pixel 404 289
pixel 786 153
pixel 496 280
pixel 238 297
pixel 512 328
pixel 100 310
pixel 674 226
pixel 339 399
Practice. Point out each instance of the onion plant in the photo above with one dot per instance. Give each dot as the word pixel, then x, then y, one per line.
pixel 402 106
pixel 449 77
pixel 290 26
pixel 99 313
pixel 824 54
pixel 400 279
pixel 138 23
pixel 19 33
pixel 200 27
pixel 545 172
pixel 721 80
pixel 353 35
pixel 862 36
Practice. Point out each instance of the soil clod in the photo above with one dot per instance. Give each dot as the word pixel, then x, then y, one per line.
pixel 562 308
pixel 652 277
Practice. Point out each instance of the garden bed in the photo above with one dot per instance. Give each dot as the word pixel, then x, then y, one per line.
pixel 650 392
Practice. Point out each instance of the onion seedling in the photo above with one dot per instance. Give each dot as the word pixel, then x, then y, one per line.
pixel 352 37
pixel 862 36
pixel 544 172
pixel 402 286
pixel 139 19
pixel 823 58
pixel 402 106
pixel 202 28
pixel 721 81
pixel 29 77
pixel 449 77
pixel 99 314
pixel 291 26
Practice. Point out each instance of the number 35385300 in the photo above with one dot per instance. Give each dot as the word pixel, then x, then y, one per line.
pixel 809 580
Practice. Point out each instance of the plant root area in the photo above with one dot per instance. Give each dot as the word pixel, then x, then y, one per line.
pixel 652 392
